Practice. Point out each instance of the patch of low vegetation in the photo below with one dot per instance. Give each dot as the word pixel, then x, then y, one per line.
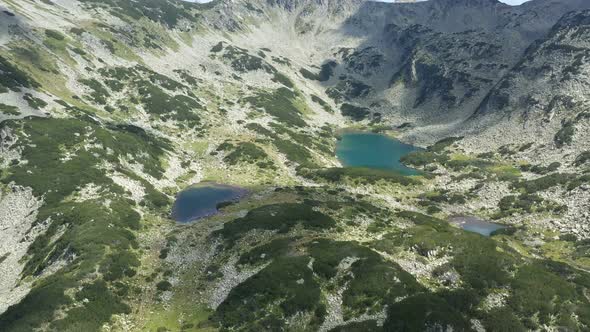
pixel 303 138
pixel 34 102
pixel 485 265
pixel 348 89
pixel 12 78
pixel 242 61
pixel 418 312
pixel 326 72
pixel 92 230
pixel 278 217
pixel 370 284
pixel 282 289
pixel 267 252
pixel 217 48
pixel 9 110
pixel 187 77
pixel 544 183
pixel 282 79
pixel 163 286
pixel 322 103
pixel 354 112
pixel 364 326
pixel 58 160
pixel 435 153
pixel 99 93
pixel 293 145
pixel 96 240
pixel 526 203
pixel 363 175
pixel 541 170
pixel 443 196
pixel 375 282
pixel 444 143
pixel 565 135
pixel 162 97
pixel 309 75
pixel 280 104
pixel 550 292
pixel 54 34
pixel 582 158
pixel 482 167
pixel 423 158
pixel 243 152
pixel 295 153
pixel 281 61
pixel 169 14
pixel 180 108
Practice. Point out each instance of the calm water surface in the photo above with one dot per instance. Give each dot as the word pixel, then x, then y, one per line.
pixel 360 149
pixel 476 225
pixel 201 201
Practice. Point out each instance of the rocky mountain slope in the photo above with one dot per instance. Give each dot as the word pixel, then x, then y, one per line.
pixel 108 109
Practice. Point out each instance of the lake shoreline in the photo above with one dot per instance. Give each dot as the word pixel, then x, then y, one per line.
pixel 203 200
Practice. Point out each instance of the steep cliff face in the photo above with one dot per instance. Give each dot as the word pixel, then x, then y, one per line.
pixel 443 57
pixel 431 63
pixel 546 93
pixel 550 76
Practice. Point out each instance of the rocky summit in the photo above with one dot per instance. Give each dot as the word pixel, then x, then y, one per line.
pixel 294 165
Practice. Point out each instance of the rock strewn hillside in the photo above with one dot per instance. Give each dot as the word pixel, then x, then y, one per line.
pixel 110 108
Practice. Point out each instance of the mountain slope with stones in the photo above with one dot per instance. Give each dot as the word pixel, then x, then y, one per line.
pixel 108 109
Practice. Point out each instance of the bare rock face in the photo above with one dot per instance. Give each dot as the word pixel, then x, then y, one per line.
pixel 19 210
pixel 548 88
pixel 433 63
pixel 555 70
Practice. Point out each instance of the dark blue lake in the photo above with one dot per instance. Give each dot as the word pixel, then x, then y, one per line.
pixel 476 225
pixel 201 201
pixel 360 149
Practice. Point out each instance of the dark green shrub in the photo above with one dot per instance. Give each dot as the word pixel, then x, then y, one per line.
pixel 582 158
pixel 565 135
pixel 54 34
pixel 13 78
pixel 282 79
pixel 278 285
pixel 322 103
pixel 421 312
pixel 309 75
pixel 443 144
pixel 217 48
pixel 280 104
pixel 265 252
pixel 354 112
pixel 34 102
pixel 367 175
pixel 245 152
pixel 163 286
pixel 280 217
pixel 9 109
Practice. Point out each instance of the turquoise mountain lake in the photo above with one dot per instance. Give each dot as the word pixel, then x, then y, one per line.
pixel 476 225
pixel 201 201
pixel 359 149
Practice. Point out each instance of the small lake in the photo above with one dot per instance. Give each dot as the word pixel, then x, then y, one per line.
pixel 475 225
pixel 201 200
pixel 361 149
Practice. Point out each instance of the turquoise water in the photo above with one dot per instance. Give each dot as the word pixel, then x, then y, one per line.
pixel 201 201
pixel 476 225
pixel 359 149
